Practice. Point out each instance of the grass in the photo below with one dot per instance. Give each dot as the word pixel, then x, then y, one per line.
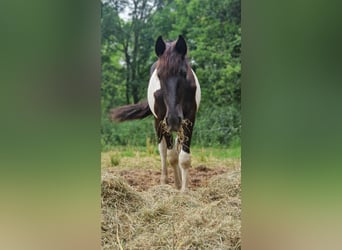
pixel 126 157
pixel 114 160
pixel 220 153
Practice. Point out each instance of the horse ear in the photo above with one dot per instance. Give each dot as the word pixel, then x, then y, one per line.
pixel 160 46
pixel 181 46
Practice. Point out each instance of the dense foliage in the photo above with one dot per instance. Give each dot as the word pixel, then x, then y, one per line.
pixel 213 33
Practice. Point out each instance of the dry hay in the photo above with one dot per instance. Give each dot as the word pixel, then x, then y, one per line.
pixel 163 218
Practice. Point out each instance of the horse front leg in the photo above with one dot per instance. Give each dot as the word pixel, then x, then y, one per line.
pixel 168 152
pixel 172 155
pixel 162 152
pixel 185 164
pixel 184 155
pixel 162 147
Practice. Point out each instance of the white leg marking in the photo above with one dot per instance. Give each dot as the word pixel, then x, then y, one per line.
pixel 162 152
pixel 185 164
pixel 172 156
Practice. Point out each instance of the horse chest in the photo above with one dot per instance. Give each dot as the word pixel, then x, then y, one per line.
pixel 154 85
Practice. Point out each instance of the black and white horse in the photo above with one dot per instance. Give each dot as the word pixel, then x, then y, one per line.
pixel 173 98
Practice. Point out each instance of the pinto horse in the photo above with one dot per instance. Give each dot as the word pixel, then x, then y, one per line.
pixel 173 98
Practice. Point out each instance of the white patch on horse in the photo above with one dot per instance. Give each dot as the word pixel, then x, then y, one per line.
pixel 198 91
pixel 153 86
pixel 185 164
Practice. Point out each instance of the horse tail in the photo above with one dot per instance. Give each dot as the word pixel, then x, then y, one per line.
pixel 130 112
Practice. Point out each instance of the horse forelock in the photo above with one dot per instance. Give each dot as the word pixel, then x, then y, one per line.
pixel 171 62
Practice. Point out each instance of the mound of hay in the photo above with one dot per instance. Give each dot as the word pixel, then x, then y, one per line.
pixel 163 218
pixel 116 193
pixel 225 188
pixel 119 200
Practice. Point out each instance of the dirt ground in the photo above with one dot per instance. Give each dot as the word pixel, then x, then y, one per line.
pixel 142 179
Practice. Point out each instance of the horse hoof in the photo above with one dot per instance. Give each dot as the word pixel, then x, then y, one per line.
pixel 164 181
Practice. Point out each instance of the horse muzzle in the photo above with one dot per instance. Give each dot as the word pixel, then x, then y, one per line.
pixel 173 123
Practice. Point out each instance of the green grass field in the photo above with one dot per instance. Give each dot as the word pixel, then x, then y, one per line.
pixel 148 157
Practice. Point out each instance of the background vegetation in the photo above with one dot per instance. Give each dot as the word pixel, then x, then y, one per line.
pixel 213 33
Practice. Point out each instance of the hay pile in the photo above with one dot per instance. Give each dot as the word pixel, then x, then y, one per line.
pixel 163 218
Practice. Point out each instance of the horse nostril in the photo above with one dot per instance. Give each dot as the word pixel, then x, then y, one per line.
pixel 173 122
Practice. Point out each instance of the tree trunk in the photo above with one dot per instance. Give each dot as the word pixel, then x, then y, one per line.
pixel 128 78
pixel 135 23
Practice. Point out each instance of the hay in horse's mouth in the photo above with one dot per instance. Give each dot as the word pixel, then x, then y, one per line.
pixel 181 138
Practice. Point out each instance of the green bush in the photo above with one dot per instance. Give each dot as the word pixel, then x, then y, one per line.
pixel 132 133
pixel 214 126
pixel 114 160
pixel 217 126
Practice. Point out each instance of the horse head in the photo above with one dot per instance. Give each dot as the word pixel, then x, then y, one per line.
pixel 172 71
